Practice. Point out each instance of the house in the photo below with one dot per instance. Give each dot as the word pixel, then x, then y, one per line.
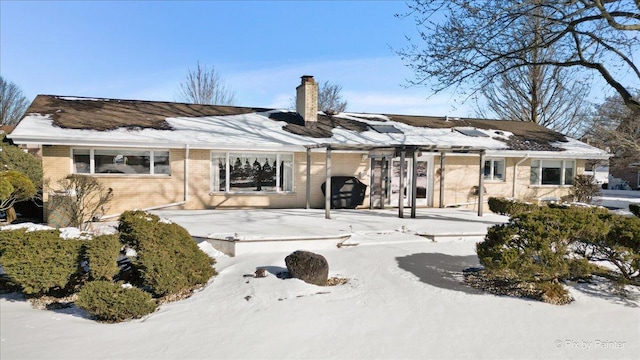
pixel 163 154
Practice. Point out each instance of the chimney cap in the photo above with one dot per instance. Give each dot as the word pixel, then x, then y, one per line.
pixel 307 78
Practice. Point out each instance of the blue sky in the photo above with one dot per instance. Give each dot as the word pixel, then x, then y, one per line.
pixel 143 50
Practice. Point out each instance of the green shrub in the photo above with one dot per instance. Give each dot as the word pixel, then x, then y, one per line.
pixel 635 209
pixel 40 262
pixel 509 207
pixel 530 247
pixel 168 260
pixel 107 301
pixel 101 253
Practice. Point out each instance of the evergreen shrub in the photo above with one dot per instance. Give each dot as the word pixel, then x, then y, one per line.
pixel 101 253
pixel 635 209
pixel 509 207
pixel 168 260
pixel 40 262
pixel 110 302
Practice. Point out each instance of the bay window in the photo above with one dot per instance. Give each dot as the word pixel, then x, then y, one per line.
pixel 251 172
pixel 552 172
pixel 120 161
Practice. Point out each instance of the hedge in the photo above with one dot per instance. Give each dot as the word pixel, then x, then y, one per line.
pixel 168 260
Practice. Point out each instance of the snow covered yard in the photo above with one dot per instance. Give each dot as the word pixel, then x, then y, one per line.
pixel 395 305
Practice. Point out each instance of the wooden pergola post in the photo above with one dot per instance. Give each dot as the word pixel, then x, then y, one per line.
pixel 327 188
pixel 481 185
pixel 441 196
pixel 308 190
pixel 414 183
pixel 401 185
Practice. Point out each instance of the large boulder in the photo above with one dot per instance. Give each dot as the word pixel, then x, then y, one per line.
pixel 307 266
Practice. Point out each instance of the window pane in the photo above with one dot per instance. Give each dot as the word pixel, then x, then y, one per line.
pixel 286 172
pixel 122 162
pixel 81 161
pixel 551 175
pixel 252 172
pixel 498 169
pixel 218 172
pixel 535 171
pixel 568 173
pixel 487 169
pixel 161 163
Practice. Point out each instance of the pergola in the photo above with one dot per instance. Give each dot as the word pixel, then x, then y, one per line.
pixel 403 151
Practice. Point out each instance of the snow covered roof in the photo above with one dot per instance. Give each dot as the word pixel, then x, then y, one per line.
pixel 77 121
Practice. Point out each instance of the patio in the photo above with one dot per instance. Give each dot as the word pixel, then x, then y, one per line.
pixel 236 232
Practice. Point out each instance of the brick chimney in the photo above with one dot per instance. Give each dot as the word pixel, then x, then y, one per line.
pixel 307 100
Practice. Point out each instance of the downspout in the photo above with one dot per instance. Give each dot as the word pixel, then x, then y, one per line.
pixel 185 193
pixel 515 173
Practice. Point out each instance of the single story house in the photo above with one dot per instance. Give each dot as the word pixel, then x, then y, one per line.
pixel 163 154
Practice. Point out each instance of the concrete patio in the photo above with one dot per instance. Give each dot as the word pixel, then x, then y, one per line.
pixel 235 232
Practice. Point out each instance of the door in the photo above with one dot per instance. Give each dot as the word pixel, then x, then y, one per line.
pixel 385 182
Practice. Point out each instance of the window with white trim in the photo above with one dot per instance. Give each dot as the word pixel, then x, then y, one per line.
pixel 494 169
pixel 238 172
pixel 121 161
pixel 552 172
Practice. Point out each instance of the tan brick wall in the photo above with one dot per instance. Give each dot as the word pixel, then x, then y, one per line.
pixel 201 197
pixel 145 191
pixel 129 192
pixel 462 174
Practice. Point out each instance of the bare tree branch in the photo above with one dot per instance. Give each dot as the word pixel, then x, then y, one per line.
pixel 465 44
pixel 205 86
pixel 12 103
pixel 330 98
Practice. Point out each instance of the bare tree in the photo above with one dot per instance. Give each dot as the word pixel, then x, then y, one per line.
pixel 13 104
pixel 467 44
pixel 617 128
pixel 205 86
pixel 330 98
pixel 546 95
pixel 81 199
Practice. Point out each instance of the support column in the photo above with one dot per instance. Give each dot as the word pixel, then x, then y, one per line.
pixel 401 186
pixel 414 183
pixel 481 185
pixel 384 177
pixel 327 189
pixel 441 198
pixel 308 190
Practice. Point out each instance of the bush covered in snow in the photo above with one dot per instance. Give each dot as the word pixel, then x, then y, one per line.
pixel 168 261
pixel 101 254
pixel 509 207
pixel 40 262
pixel 111 302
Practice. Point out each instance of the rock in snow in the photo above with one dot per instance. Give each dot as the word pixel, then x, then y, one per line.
pixel 309 267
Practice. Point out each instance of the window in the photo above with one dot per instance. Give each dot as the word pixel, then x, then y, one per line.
pixel 552 172
pixel 251 172
pixel 494 169
pixel 121 161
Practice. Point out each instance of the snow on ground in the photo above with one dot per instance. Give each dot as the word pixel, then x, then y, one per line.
pixel 403 301
pixel 618 199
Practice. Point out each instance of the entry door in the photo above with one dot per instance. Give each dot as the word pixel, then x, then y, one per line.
pixel 395 182
pixel 385 182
